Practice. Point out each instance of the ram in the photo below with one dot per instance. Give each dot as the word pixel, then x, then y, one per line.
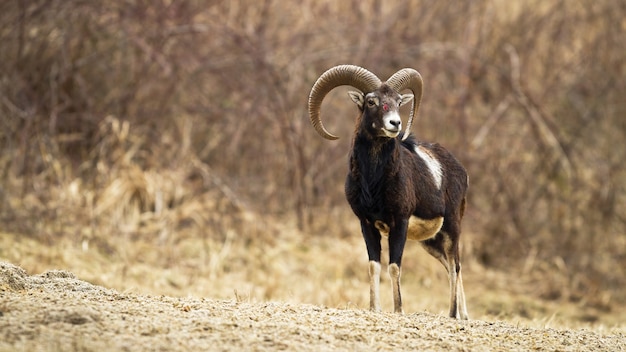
pixel 397 186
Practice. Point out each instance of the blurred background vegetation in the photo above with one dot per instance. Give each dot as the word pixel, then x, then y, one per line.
pixel 156 121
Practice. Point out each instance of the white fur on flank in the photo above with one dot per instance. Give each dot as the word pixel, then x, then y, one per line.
pixel 433 164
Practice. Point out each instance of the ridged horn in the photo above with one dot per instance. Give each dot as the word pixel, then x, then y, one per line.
pixel 408 78
pixel 349 75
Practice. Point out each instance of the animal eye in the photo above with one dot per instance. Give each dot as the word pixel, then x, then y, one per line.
pixel 371 102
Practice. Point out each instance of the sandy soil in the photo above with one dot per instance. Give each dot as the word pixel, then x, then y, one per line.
pixel 55 311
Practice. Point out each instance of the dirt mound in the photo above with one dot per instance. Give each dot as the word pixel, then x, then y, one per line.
pixel 57 311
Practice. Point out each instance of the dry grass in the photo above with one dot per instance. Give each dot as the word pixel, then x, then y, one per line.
pixel 295 268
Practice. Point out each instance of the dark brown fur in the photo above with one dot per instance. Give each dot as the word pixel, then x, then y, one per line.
pixel 387 181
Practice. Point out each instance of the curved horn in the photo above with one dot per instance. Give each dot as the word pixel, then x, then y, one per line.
pixel 408 78
pixel 350 75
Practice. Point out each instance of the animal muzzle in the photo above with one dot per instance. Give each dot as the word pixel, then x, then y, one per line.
pixel 392 124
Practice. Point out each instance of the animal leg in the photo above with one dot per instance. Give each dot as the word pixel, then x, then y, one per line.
pixel 446 252
pixel 394 273
pixel 372 241
pixel 461 298
pixel 452 278
pixel 374 271
pixel 458 308
pixel 397 240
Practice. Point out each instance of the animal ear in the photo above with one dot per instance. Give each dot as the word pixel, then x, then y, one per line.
pixel 357 97
pixel 406 98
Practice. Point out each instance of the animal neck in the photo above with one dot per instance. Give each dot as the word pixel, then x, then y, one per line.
pixel 376 147
pixel 373 157
pixel 371 163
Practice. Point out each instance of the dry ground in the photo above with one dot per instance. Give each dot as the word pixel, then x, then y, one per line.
pixel 55 311
pixel 292 291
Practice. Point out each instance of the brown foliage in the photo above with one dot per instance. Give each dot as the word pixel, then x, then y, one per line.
pixel 118 115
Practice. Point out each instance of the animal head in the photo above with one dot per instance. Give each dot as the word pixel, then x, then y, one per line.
pixel 379 102
pixel 380 110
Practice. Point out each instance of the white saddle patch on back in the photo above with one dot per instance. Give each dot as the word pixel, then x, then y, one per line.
pixel 432 163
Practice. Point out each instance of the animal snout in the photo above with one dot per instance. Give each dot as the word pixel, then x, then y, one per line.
pixel 392 122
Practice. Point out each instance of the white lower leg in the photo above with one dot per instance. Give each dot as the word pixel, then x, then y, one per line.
pixel 454 311
pixel 461 298
pixel 374 271
pixel 394 273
